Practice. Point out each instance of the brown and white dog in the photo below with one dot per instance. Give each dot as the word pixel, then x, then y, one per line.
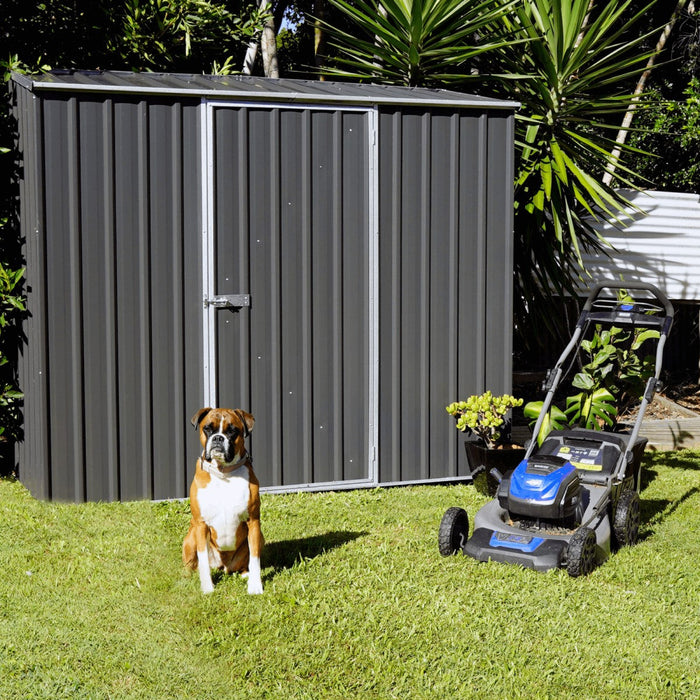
pixel 225 501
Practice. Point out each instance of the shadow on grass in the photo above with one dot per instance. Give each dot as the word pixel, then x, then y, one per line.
pixel 683 459
pixel 676 460
pixel 648 475
pixel 285 554
pixel 655 511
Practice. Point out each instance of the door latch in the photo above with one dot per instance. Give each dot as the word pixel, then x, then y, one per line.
pixel 228 301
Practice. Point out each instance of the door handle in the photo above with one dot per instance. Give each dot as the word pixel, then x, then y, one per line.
pixel 228 301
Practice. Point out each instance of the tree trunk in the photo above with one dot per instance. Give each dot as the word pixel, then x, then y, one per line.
pixel 319 35
pixel 586 19
pixel 268 43
pixel 250 55
pixel 627 121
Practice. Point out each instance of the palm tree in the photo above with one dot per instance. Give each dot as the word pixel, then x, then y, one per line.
pixel 572 79
pixel 414 42
pixel 567 62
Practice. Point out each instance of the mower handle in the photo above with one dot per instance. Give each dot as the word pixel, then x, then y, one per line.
pixel 646 286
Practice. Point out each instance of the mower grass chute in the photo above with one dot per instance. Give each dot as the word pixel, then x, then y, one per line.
pixel 575 498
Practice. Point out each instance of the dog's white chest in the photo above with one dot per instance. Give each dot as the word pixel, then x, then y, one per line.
pixel 223 504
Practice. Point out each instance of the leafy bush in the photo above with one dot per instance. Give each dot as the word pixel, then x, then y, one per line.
pixel 11 305
pixel 668 133
pixel 614 364
pixel 612 379
pixel 158 33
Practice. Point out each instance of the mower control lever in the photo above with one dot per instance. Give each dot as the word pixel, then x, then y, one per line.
pixel 653 385
pixel 496 474
pixel 548 381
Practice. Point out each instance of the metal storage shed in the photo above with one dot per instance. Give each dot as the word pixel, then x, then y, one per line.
pixel 335 258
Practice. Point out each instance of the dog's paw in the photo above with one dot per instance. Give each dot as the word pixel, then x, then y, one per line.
pixel 254 587
pixel 254 577
pixel 205 582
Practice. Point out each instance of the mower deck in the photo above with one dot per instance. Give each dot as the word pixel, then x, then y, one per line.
pixel 497 537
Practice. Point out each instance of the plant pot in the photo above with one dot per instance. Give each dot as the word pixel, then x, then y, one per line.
pixel 7 457
pixel 482 460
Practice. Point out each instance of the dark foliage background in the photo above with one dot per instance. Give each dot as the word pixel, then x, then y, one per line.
pixel 203 36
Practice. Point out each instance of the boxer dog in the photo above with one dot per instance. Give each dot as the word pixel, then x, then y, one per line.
pixel 224 530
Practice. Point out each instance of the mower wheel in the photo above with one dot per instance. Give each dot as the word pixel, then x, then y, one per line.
pixel 454 530
pixel 626 520
pixel 581 558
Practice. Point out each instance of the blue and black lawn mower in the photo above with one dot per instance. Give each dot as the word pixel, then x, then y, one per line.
pixel 574 498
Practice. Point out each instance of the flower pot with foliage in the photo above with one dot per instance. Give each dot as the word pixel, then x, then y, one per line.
pixel 484 419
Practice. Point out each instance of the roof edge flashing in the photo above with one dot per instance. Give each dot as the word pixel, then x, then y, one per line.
pixel 253 88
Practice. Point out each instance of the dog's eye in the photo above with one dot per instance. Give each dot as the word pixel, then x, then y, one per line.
pixel 208 429
pixel 232 432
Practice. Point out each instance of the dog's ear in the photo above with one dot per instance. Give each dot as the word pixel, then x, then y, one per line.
pixel 197 417
pixel 247 419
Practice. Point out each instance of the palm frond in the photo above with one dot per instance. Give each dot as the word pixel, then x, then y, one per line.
pixel 568 67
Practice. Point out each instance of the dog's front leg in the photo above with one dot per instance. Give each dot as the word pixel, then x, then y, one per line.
pixel 255 543
pixel 202 539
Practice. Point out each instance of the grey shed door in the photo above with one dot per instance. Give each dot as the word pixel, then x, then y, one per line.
pixel 290 210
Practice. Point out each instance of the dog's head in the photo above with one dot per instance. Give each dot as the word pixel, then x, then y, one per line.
pixel 222 432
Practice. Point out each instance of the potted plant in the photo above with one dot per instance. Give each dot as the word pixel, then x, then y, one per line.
pixel 484 418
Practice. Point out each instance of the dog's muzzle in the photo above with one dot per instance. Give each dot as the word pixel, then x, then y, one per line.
pixel 219 447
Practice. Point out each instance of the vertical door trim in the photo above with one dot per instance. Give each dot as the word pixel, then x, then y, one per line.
pixel 373 294
pixel 207 150
pixel 208 204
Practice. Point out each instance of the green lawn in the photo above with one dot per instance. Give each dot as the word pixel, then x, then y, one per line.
pixel 94 603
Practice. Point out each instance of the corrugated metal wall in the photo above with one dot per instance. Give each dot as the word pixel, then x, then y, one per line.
pixel 113 359
pixel 658 243
pixel 445 289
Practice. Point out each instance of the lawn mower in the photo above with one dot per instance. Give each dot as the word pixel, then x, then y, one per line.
pixel 575 497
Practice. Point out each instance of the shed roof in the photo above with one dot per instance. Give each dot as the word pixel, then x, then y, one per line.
pixel 660 243
pixel 253 88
